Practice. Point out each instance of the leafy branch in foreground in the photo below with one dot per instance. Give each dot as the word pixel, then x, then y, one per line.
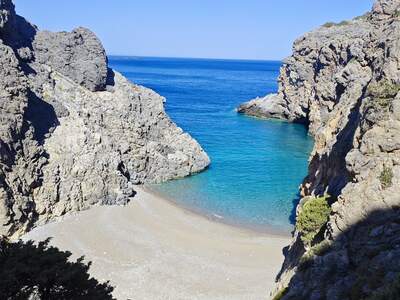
pixel 29 271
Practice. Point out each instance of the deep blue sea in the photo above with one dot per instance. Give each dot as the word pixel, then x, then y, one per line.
pixel 257 165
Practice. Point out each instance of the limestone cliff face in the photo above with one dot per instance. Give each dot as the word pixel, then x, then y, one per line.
pixel 74 133
pixel 343 81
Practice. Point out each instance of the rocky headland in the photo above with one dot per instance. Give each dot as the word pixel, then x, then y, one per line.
pixel 74 133
pixel 343 82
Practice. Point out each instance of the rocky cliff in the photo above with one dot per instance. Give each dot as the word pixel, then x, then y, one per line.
pixel 74 133
pixel 343 82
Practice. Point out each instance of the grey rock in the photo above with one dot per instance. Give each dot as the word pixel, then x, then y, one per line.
pixel 6 7
pixel 387 7
pixel 68 141
pixel 271 106
pixel 79 55
pixel 15 31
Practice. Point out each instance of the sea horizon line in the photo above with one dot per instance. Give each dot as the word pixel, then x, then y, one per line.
pixel 193 58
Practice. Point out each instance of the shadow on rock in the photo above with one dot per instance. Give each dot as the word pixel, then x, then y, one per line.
pixel 363 262
pixel 29 271
pixel 110 77
pixel 42 116
pixel 295 201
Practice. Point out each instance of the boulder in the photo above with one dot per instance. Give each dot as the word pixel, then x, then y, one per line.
pixel 79 55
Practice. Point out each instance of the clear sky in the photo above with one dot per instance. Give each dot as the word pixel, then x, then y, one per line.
pixel 252 29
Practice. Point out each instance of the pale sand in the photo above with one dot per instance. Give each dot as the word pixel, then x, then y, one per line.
pixel 153 250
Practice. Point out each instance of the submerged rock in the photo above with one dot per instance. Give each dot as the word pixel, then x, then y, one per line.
pixel 74 133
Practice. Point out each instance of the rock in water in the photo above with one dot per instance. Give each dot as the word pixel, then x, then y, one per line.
pixel 343 80
pixel 270 106
pixel 74 133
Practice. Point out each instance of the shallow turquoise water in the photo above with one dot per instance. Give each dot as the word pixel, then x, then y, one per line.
pixel 257 165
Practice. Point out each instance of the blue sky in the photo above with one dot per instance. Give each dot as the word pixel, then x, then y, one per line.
pixel 252 29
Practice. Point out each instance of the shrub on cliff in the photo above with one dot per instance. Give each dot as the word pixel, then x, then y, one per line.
pixel 29 271
pixel 313 216
pixel 333 24
pixel 383 89
pixel 386 177
pixel 329 24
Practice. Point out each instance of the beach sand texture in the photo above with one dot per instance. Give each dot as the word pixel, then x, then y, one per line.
pixel 152 249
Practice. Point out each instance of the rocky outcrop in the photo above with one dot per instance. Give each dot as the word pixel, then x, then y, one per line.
pixel 269 107
pixel 77 55
pixel 343 81
pixel 74 133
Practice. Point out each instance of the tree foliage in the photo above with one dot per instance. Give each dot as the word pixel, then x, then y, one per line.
pixel 44 272
pixel 313 216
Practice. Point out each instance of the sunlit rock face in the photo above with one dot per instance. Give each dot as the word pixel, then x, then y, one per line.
pixel 74 133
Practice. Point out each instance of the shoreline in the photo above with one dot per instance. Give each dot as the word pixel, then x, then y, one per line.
pixel 262 230
pixel 154 249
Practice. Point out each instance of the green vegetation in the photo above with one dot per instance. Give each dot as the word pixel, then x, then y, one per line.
pixel 320 248
pixel 329 24
pixel 280 294
pixel 332 24
pixel 383 89
pixel 363 17
pixel 386 177
pixel 312 218
pixel 316 250
pixel 382 93
pixel 343 23
pixel 306 261
pixel 29 271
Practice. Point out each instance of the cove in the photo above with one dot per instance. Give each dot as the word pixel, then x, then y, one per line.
pixel 256 165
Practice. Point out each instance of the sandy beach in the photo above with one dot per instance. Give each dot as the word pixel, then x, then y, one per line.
pixel 152 249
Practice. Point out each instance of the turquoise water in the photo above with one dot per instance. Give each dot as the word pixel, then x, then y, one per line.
pixel 257 165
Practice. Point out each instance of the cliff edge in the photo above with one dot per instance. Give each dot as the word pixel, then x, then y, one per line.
pixel 74 133
pixel 343 82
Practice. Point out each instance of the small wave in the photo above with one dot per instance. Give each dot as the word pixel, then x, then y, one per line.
pixel 218 216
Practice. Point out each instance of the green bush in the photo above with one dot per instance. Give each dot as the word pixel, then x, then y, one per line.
pixel 313 216
pixel 343 23
pixel 383 89
pixel 329 24
pixel 321 248
pixel 386 177
pixel 332 24
pixel 317 250
pixel 306 261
